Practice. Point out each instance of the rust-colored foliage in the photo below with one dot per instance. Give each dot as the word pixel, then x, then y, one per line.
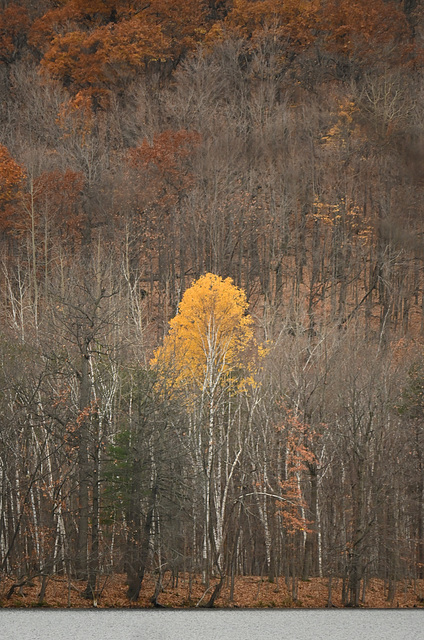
pixel 107 55
pixel 101 45
pixel 168 156
pixel 51 197
pixel 351 28
pixel 72 15
pixel 359 28
pixel 297 455
pixel 11 182
pixel 159 174
pixel 97 45
pixel 183 22
pixel 76 117
pixel 14 27
pixel 292 21
pixel 164 167
pixel 56 197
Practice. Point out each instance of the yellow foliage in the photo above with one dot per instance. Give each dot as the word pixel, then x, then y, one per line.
pixel 345 213
pixel 209 336
pixel 345 126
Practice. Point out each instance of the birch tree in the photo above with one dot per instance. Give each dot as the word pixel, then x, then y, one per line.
pixel 210 344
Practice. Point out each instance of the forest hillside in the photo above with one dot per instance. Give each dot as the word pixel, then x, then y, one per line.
pixel 212 295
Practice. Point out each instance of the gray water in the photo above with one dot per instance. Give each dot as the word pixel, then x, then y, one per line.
pixel 212 625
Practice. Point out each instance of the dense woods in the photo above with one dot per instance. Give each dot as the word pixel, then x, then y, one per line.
pixel 212 291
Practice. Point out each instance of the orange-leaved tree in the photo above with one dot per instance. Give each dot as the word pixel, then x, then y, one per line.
pixel 12 177
pixel 14 27
pixel 292 23
pixel 351 28
pixel 297 437
pixel 168 161
pixel 166 150
pixel 106 57
pixel 52 200
pixel 357 28
pixel 101 45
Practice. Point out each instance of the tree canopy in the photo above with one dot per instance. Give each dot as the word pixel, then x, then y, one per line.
pixel 210 334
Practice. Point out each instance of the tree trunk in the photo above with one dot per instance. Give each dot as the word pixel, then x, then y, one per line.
pixel 138 553
pixel 311 546
pixel 83 470
pixel 93 564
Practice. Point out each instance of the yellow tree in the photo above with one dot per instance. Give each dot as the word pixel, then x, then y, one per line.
pixel 208 337
pixel 208 353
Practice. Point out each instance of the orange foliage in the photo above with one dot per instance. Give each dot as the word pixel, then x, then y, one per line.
pixel 358 27
pixel 97 10
pixel 164 173
pixel 56 195
pixel 104 57
pixel 166 156
pixel 11 182
pixel 52 197
pixel 98 44
pixel 291 21
pixel 298 455
pixel 14 27
pixel 73 15
pixel 159 174
pixel 183 22
pixel 348 27
pixel 75 115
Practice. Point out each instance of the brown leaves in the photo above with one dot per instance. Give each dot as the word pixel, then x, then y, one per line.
pixel 56 196
pixel 163 170
pixel 359 28
pixel 73 15
pixel 100 45
pixel 12 176
pixel 106 56
pixel 249 592
pixel 350 28
pixel 298 438
pixel 51 196
pixel 168 154
pixel 291 21
pixel 14 26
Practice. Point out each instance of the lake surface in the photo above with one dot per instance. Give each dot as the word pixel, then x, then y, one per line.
pixel 211 625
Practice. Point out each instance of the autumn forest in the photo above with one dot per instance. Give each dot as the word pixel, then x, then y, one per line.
pixel 211 298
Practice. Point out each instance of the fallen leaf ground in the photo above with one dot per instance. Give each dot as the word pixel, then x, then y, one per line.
pixel 249 592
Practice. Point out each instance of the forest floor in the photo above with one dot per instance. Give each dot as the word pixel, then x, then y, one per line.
pixel 249 592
